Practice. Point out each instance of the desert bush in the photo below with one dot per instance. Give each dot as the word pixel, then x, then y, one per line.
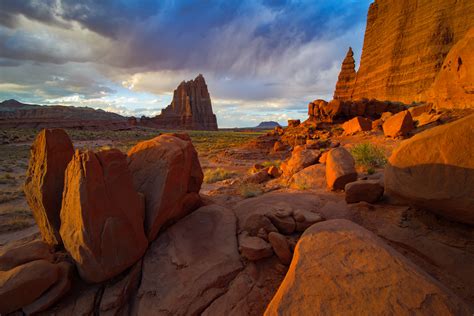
pixel 249 190
pixel 218 174
pixel 275 163
pixel 368 156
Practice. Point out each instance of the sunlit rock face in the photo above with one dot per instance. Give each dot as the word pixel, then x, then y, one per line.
pixel 191 108
pixel 405 45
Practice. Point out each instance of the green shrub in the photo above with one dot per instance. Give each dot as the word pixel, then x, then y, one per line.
pixel 249 190
pixel 368 156
pixel 218 174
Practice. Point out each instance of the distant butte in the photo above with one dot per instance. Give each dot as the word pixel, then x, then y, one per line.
pixel 191 109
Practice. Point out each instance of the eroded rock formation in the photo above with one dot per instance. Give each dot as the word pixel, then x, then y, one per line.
pixel 405 45
pixel 191 108
pixel 346 79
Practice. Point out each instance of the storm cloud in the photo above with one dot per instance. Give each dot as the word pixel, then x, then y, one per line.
pixel 265 57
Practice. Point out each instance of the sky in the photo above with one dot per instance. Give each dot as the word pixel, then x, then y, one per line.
pixel 262 59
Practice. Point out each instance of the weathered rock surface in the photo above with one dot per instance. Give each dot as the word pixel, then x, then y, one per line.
pixel 28 284
pixel 102 215
pixel 18 254
pixel 190 264
pixel 454 84
pixel 356 125
pixel 190 109
pixel 398 125
pixel 310 178
pixel 305 219
pixel 363 191
pixel 405 45
pixel 435 170
pixel 363 269
pixel 254 248
pixel 280 247
pixel 14 114
pixel 167 171
pixel 293 123
pixel 340 169
pixel 49 156
pixel 346 78
pixel 300 159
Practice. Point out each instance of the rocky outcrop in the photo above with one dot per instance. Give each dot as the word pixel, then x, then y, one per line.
pixel 14 114
pixel 435 170
pixel 190 264
pixel 49 156
pixel 454 84
pixel 268 125
pixel 340 169
pixel 405 45
pixel 363 269
pixel 346 78
pixel 191 108
pixel 101 215
pixel 167 171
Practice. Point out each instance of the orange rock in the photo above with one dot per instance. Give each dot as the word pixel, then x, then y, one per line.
pixel 357 124
pixel 340 169
pixel 50 153
pixel 22 285
pixel 274 172
pixel 310 178
pixel 434 170
pixel 16 255
pixel 279 146
pixel 324 157
pixel 280 247
pixel 363 190
pixel 166 170
pixel 346 78
pixel 340 268
pixel 300 159
pixel 399 124
pixel 102 215
pixel 454 84
pixel 293 123
pixel 420 109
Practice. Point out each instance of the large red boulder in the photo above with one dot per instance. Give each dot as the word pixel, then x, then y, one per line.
pixel 300 159
pixel 340 169
pixel 167 171
pixel 356 125
pixel 102 215
pixel 434 170
pixel 50 153
pixel 340 268
pixel 399 124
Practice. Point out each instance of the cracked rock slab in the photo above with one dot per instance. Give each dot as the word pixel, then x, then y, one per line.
pixel 191 264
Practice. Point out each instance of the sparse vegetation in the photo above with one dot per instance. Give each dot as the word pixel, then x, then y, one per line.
pixel 368 156
pixel 275 163
pixel 217 174
pixel 249 190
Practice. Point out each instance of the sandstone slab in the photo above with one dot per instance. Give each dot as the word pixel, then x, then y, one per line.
pixel 356 125
pixel 399 124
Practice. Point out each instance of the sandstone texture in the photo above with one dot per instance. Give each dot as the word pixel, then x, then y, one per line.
pixel 398 125
pixel 18 254
pixel 346 78
pixel 49 156
pixel 340 169
pixel 405 45
pixel 167 171
pixel 364 276
pixel 190 109
pixel 300 159
pixel 435 170
pixel 454 84
pixel 312 177
pixel 190 264
pixel 102 215
pixel 14 114
pixel 356 125
pixel 363 191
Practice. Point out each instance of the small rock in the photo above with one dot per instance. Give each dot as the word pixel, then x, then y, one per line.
pixel 399 124
pixel 285 224
pixel 324 157
pixel 369 191
pixel 274 172
pixel 254 248
pixel 255 222
pixel 305 219
pixel 293 123
pixel 280 247
pixel 356 125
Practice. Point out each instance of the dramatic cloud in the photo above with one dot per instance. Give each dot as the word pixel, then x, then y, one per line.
pixel 264 59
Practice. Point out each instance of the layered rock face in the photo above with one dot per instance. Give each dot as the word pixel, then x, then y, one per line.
pixel 191 108
pixel 346 79
pixel 50 154
pixel 14 114
pixel 405 45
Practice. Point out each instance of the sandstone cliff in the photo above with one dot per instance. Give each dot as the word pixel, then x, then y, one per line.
pixel 14 114
pixel 346 79
pixel 191 108
pixel 405 45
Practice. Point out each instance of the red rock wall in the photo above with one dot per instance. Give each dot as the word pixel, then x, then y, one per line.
pixel 406 42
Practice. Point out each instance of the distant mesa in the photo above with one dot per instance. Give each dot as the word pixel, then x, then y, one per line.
pixel 268 125
pixel 14 114
pixel 191 109
pixel 406 47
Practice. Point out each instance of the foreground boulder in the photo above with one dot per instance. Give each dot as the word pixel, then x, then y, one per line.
pixel 312 177
pixel 50 153
pixel 363 191
pixel 16 255
pixel 340 268
pixel 190 264
pixel 102 215
pixel 340 169
pixel 398 125
pixel 435 170
pixel 167 171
